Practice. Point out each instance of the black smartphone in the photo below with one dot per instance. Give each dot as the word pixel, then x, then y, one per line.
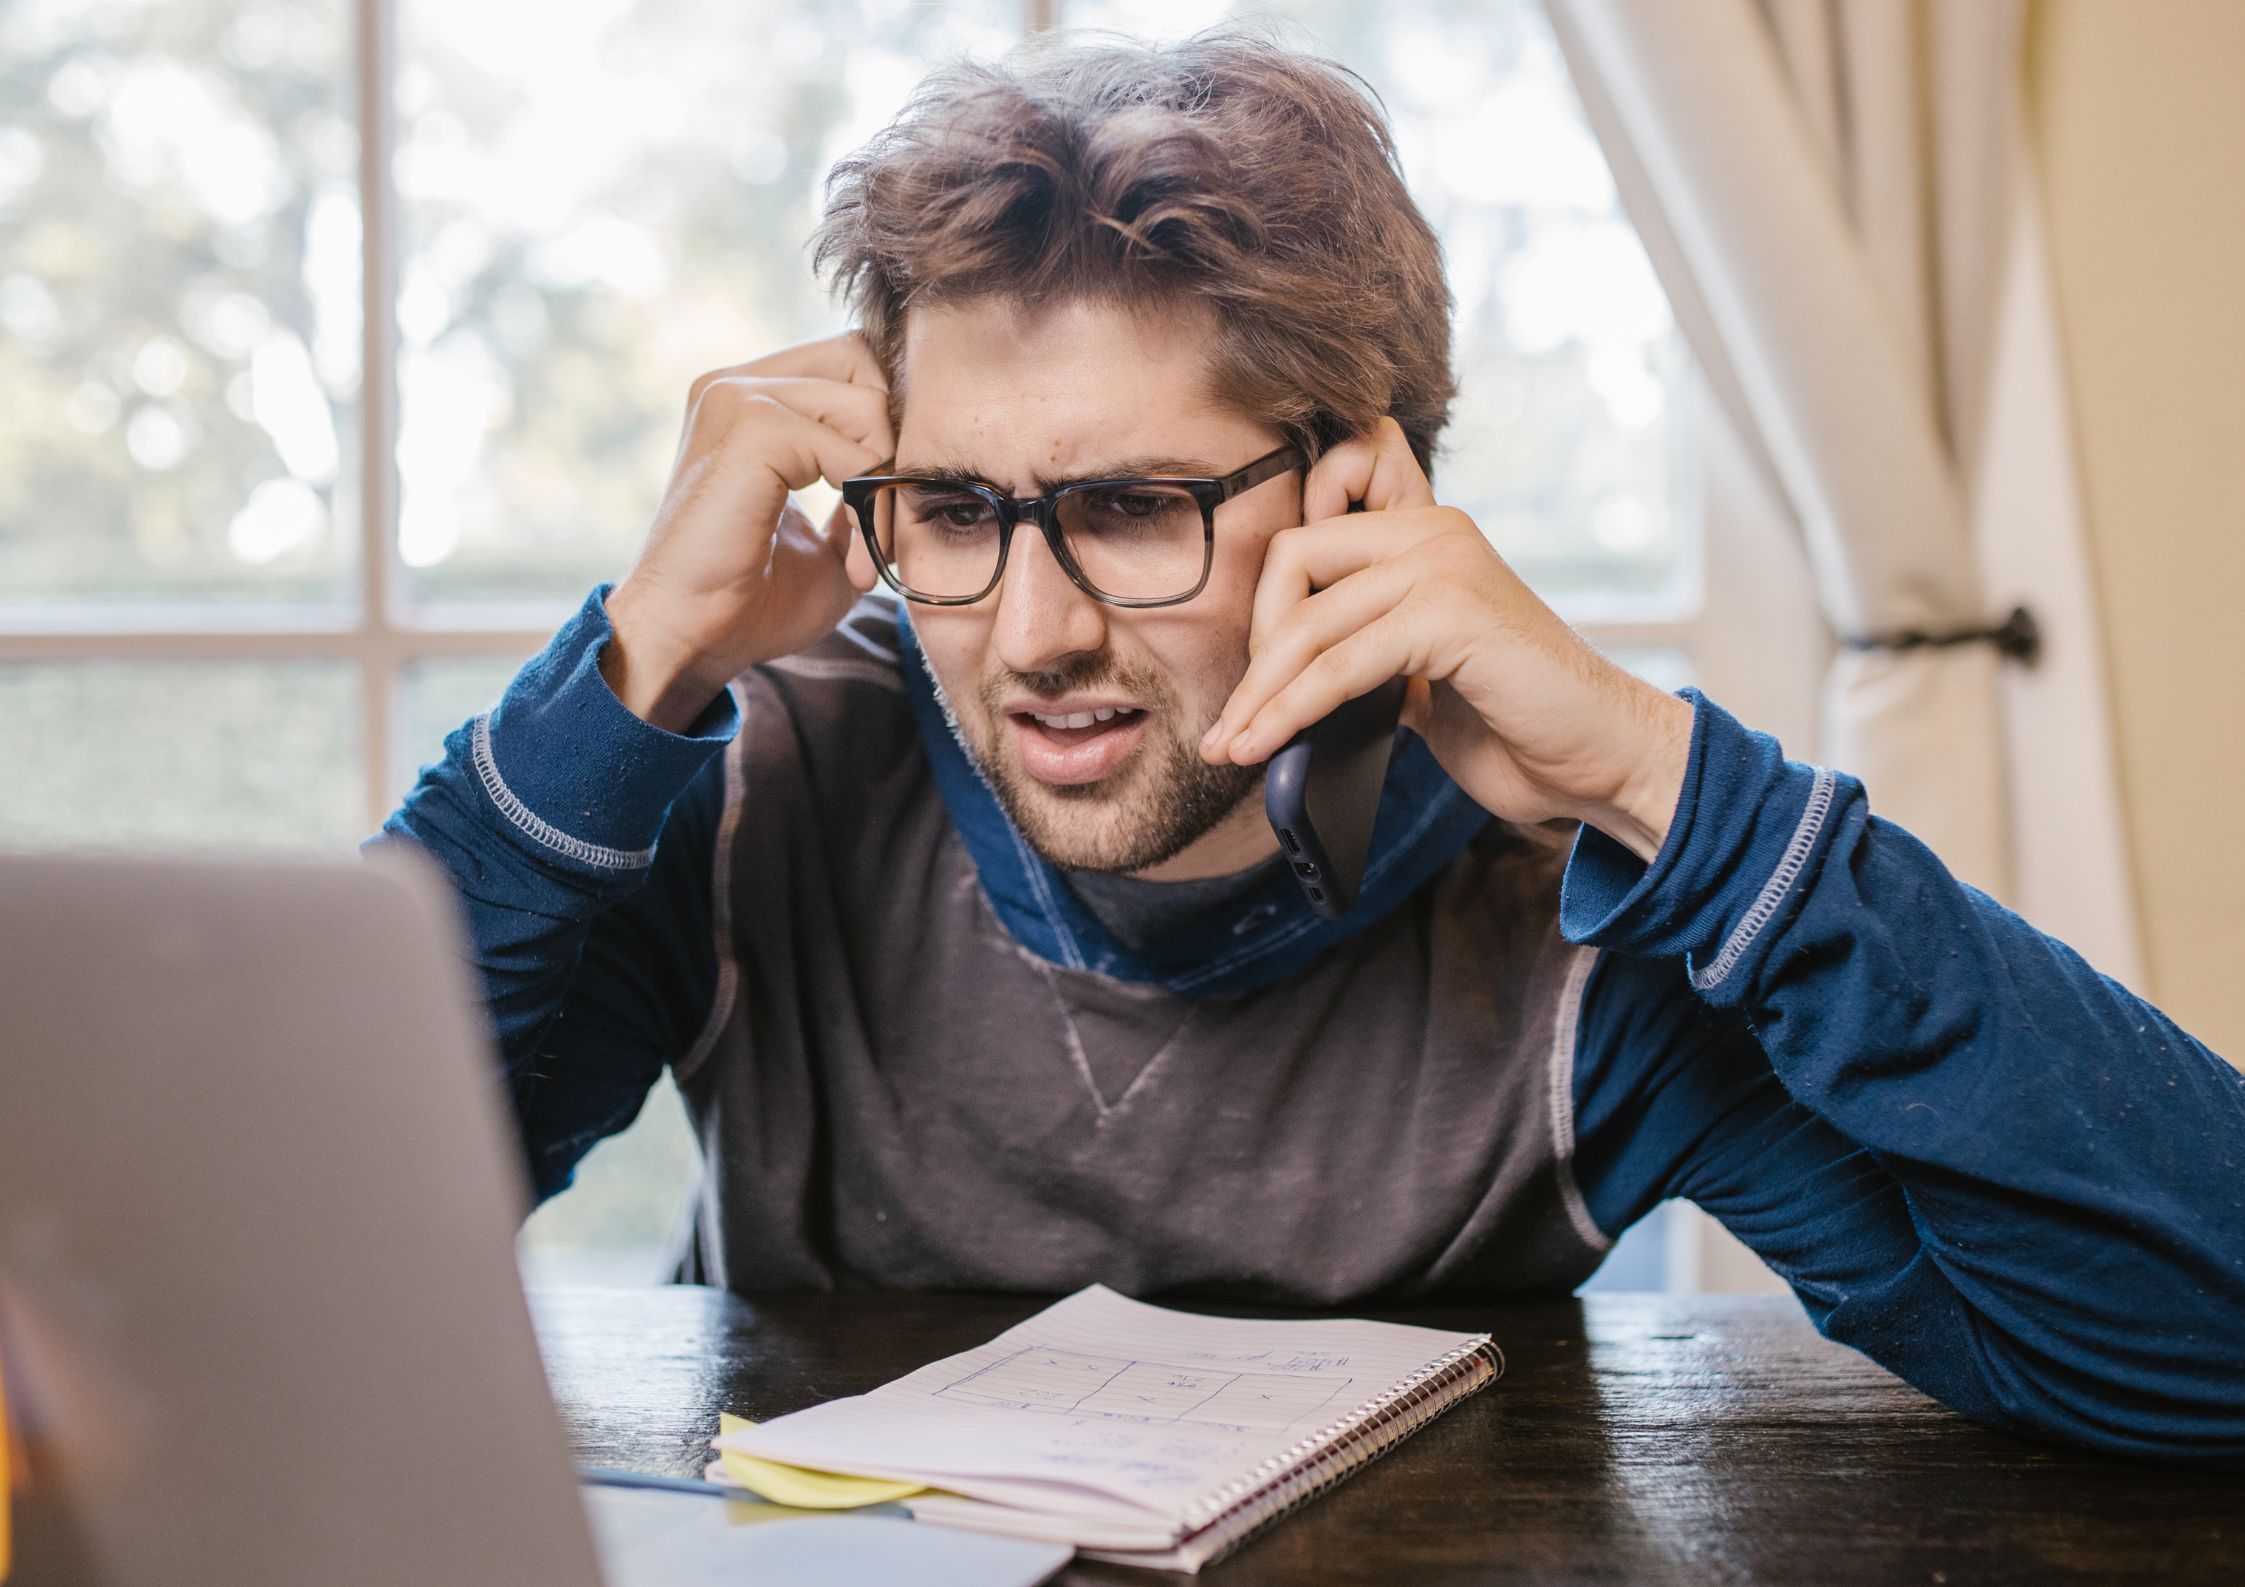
pixel 1322 794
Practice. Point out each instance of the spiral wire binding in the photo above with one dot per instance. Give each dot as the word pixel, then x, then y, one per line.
pixel 1298 1474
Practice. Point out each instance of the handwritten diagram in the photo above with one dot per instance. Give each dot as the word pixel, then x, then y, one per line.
pixel 1072 1383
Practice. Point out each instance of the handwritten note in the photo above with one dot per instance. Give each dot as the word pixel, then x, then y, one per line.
pixel 1104 1407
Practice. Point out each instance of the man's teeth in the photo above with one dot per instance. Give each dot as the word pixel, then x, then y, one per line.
pixel 1086 718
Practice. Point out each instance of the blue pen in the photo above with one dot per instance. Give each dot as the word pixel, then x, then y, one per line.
pixel 646 1479
pixel 609 1478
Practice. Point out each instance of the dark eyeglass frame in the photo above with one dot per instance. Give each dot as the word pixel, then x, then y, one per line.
pixel 1044 512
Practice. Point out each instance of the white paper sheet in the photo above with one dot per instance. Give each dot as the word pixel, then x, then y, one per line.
pixel 1105 1408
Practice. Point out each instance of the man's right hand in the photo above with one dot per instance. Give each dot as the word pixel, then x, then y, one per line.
pixel 733 572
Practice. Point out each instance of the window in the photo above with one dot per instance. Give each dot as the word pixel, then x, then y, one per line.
pixel 346 340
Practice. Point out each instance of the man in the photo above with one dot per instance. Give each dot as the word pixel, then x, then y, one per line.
pixel 960 925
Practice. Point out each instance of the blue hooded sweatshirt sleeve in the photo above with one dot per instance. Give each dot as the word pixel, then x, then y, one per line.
pixel 578 837
pixel 1987 1166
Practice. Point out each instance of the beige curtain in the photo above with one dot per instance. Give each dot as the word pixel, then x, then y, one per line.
pixel 1824 187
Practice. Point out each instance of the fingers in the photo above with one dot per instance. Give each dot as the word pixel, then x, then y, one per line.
pixel 1376 469
pixel 835 381
pixel 1334 611
pixel 1312 628
pixel 859 412
pixel 1319 554
pixel 795 446
pixel 1418 706
pixel 845 358
pixel 1359 663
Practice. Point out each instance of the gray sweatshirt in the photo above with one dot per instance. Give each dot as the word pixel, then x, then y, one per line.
pixel 901 1095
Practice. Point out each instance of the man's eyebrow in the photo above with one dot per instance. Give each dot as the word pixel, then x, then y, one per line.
pixel 1121 468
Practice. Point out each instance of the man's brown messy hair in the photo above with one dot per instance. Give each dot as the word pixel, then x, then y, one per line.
pixel 1227 169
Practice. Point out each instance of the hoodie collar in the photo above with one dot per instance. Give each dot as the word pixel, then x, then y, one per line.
pixel 1425 820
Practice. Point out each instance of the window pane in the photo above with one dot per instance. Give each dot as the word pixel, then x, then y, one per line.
pixel 437 697
pixel 1638 1261
pixel 1566 435
pixel 187 754
pixel 602 199
pixel 613 1225
pixel 179 302
pixel 1662 668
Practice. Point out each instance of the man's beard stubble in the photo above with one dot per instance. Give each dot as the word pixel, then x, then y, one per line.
pixel 1163 800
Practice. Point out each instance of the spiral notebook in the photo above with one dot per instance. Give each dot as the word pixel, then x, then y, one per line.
pixel 1135 1433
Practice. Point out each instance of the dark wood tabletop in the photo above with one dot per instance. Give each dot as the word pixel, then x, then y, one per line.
pixel 1632 1439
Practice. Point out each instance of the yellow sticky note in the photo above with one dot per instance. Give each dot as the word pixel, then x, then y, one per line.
pixel 798 1485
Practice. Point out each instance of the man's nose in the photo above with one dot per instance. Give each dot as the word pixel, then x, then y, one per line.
pixel 1042 614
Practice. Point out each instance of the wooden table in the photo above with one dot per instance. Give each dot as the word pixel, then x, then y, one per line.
pixel 1633 1439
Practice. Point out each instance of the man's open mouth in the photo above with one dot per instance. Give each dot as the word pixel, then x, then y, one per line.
pixel 1081 722
pixel 1075 746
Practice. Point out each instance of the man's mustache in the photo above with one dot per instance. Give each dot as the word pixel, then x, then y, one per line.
pixel 1090 672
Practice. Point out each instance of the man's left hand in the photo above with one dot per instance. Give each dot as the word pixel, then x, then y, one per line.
pixel 1522 712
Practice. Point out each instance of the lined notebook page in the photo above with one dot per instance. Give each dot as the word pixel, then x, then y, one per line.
pixel 1107 1408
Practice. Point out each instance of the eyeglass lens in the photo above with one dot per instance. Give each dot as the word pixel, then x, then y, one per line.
pixel 1132 541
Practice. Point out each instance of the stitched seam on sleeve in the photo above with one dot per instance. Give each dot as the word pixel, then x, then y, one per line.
pixel 1567 1023
pixel 537 828
pixel 1773 892
pixel 721 900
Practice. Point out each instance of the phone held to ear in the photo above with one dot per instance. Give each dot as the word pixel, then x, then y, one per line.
pixel 1322 794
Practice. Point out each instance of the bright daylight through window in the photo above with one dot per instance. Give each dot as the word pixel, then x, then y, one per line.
pixel 220 626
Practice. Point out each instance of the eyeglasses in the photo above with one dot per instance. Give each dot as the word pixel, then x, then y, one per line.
pixel 1127 542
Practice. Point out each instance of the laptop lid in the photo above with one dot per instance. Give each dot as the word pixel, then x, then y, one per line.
pixel 258 1200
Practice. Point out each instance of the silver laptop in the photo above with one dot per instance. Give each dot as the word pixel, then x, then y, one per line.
pixel 259 1309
